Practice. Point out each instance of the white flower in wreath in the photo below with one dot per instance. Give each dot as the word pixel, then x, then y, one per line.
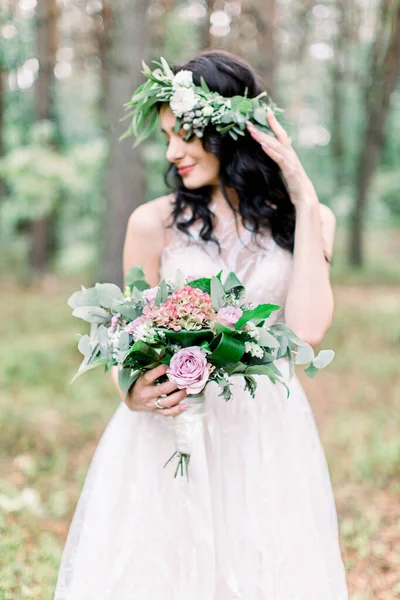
pixel 183 100
pixel 183 79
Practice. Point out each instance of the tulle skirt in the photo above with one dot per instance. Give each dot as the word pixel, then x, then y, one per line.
pixel 256 521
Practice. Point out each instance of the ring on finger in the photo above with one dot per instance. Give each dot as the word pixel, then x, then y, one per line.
pixel 158 403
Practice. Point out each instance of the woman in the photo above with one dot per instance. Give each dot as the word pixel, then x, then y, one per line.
pixel 261 524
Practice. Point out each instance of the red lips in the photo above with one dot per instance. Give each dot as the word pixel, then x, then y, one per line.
pixel 183 170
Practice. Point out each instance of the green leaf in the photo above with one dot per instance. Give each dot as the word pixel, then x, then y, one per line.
pixel 233 283
pixel 166 67
pixel 259 115
pixel 91 314
pixel 261 312
pixel 109 294
pixel 204 86
pixel 220 328
pixel 267 339
pixel 291 363
pixel 283 346
pixel 84 297
pixel 124 341
pixel 217 293
pixel 129 312
pixel 283 329
pixel 187 338
pixel 323 359
pixel 261 370
pixel 180 279
pixel 84 345
pixel 162 293
pixel 251 385
pixel 127 377
pixel 226 349
pixel 143 353
pixel 135 278
pixel 305 354
pixel 203 284
pixel 88 367
pixel 311 371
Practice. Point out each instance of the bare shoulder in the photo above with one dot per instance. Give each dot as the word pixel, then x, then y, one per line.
pixel 327 215
pixel 151 217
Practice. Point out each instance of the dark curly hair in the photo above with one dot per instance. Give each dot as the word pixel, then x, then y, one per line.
pixel 264 201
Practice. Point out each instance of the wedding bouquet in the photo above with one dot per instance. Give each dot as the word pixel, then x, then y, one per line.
pixel 203 329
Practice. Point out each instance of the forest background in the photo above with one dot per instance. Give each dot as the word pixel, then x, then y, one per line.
pixel 67 188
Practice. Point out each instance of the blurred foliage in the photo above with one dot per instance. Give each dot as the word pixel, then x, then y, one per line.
pixel 60 169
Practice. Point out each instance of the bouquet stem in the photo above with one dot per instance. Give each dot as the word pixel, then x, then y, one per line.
pixel 185 426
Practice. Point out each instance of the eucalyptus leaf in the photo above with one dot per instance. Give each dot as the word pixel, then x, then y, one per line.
pixel 84 345
pixel 217 293
pixel 323 359
pixel 88 367
pixel 162 293
pixel 102 335
pixel 84 297
pixel 124 341
pixel 180 279
pixel 305 354
pixel 109 294
pixel 91 314
pixel 267 339
pixel 283 329
pixel 126 378
pixel 311 371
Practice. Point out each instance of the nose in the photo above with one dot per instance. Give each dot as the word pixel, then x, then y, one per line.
pixel 176 148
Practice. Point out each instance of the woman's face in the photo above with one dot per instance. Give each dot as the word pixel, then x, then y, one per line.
pixel 196 166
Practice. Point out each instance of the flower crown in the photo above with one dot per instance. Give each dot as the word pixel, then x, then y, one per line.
pixel 195 107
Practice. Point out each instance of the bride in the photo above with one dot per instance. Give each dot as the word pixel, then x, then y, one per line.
pixel 259 522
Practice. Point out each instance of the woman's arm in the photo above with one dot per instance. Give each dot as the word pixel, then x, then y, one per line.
pixel 144 242
pixel 309 302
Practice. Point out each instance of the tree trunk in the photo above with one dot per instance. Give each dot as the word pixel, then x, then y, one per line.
pixel 268 56
pixel 384 73
pixel 125 176
pixel 208 39
pixel 47 44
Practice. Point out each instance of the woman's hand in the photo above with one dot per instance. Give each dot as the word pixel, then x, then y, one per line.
pixel 280 149
pixel 144 393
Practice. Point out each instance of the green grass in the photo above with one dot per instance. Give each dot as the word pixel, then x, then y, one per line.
pixel 50 430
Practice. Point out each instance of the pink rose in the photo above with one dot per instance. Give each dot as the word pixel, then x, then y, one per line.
pixel 228 316
pixel 150 294
pixel 189 369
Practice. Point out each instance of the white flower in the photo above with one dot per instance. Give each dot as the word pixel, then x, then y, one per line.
pixel 252 330
pixel 183 79
pixel 183 100
pixel 114 337
pixel 145 333
pixel 208 110
pixel 254 349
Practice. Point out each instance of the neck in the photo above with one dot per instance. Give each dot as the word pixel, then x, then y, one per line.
pixel 219 199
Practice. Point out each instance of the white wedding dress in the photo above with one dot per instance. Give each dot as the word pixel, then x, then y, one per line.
pixel 257 520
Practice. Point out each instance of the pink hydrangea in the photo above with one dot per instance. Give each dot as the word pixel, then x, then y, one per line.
pixel 229 316
pixel 189 369
pixel 187 308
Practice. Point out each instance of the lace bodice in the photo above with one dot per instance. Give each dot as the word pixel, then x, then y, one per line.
pixel 264 271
